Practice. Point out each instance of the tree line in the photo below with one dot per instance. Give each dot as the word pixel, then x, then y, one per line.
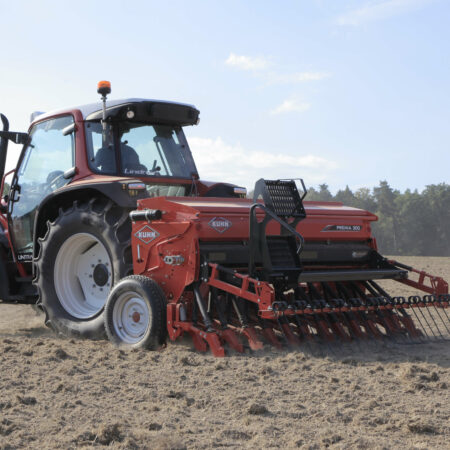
pixel 409 223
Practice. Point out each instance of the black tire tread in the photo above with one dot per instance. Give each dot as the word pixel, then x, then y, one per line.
pixel 78 328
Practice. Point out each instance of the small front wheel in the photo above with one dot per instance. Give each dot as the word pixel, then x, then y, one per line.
pixel 135 314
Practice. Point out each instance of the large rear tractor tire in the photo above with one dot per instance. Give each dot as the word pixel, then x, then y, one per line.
pixel 84 252
pixel 135 314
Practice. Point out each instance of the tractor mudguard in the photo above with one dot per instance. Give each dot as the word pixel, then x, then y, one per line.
pixel 116 191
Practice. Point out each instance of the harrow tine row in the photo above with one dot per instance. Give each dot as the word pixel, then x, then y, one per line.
pixel 245 313
pixel 325 314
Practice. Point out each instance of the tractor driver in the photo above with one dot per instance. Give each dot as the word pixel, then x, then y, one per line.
pixel 105 159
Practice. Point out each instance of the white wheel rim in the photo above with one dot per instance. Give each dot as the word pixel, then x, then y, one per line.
pixel 83 275
pixel 131 317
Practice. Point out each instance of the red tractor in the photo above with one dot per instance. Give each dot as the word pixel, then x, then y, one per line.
pixel 110 189
pixel 65 233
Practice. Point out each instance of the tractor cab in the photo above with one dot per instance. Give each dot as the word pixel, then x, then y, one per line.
pixel 139 137
pixel 142 138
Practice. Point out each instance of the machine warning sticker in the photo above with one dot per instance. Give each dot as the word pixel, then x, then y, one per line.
pixel 146 234
pixel 220 224
pixel 342 228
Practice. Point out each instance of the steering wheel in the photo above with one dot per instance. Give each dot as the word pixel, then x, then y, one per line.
pixel 155 167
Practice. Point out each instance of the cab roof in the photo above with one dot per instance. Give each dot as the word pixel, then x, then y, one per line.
pixel 92 110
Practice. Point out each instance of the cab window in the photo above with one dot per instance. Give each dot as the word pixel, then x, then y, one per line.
pixel 50 153
pixel 138 149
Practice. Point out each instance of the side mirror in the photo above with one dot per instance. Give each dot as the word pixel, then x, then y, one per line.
pixel 17 138
pixel 69 173
pixel 69 129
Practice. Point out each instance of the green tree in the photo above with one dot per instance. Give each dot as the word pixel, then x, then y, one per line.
pixel 365 200
pixel 324 193
pixel 313 195
pixel 412 223
pixel 386 230
pixel 437 216
pixel 346 197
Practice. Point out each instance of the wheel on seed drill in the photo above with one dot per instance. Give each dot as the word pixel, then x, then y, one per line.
pixel 135 314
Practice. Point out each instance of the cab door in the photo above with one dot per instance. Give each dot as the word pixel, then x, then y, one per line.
pixel 49 154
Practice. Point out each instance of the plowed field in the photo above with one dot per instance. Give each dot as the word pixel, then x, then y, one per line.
pixel 64 393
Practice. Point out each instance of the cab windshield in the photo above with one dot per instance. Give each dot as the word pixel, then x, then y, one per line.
pixel 136 149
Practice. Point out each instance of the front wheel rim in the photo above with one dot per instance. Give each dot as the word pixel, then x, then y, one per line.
pixel 131 317
pixel 83 275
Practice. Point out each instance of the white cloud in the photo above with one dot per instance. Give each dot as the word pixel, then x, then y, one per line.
pixel 259 66
pixel 379 10
pixel 299 77
pixel 218 161
pixel 291 105
pixel 247 62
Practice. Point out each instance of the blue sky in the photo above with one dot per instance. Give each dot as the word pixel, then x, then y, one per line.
pixel 340 92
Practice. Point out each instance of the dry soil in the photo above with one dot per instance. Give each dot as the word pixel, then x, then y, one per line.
pixel 64 393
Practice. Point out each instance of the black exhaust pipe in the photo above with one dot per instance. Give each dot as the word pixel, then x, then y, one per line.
pixel 3 144
pixel 5 136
